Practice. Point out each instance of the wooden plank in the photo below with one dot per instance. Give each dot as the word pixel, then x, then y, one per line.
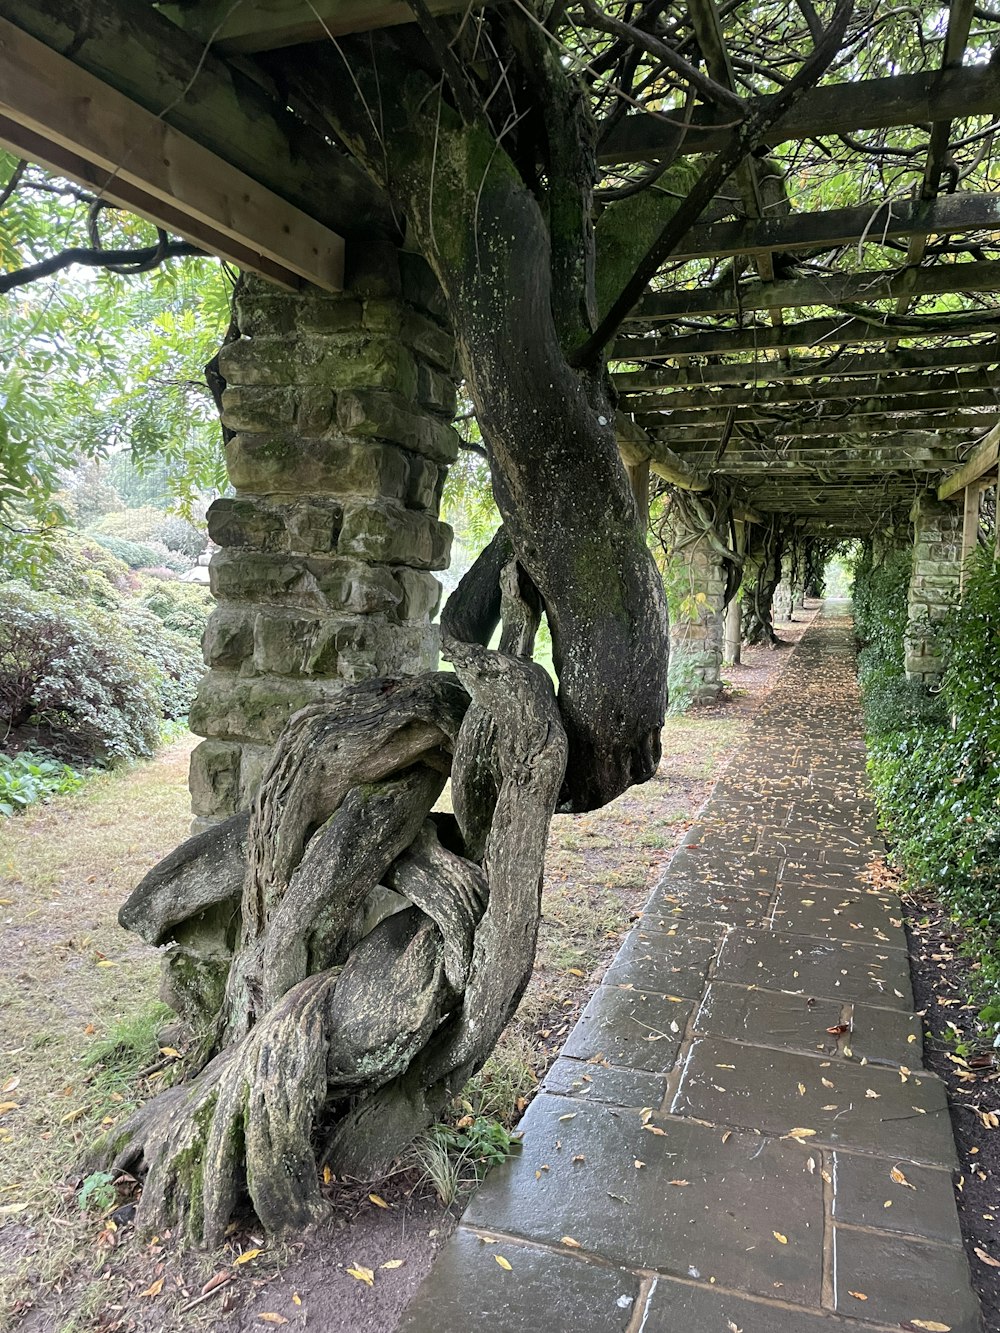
pixel 845 108
pixel 810 333
pixel 839 367
pixel 269 24
pixel 886 284
pixel 829 229
pixel 184 186
pixel 971 497
pixel 130 46
pixel 981 461
pixel 773 413
pixel 971 388
pixel 957 423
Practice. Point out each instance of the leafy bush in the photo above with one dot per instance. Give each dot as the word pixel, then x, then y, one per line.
pixel 141 555
pixel 68 670
pixel 148 525
pixel 182 607
pixel 935 759
pixel 176 661
pixel 26 778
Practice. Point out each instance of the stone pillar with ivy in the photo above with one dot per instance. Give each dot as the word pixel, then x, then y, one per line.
pixel 696 594
pixel 935 581
pixel 338 413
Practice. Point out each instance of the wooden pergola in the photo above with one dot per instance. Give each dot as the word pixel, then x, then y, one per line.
pixel 804 388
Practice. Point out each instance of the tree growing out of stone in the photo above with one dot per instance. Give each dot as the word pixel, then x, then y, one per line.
pixel 383 945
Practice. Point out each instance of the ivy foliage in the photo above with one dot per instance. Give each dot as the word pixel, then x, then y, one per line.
pixel 935 758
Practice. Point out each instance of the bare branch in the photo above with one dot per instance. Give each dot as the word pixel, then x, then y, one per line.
pixel 120 261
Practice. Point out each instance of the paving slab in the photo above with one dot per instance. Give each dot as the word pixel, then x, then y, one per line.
pixel 763 990
pixel 826 969
pixel 699 1204
pixel 864 1107
pixel 630 1028
pixel 542 1289
pixel 904 1280
pixel 894 1195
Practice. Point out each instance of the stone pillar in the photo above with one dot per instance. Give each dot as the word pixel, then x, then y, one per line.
pixel 784 601
pixel 696 628
pixel 340 408
pixel 934 583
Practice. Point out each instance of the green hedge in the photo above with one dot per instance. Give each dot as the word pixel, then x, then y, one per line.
pixel 935 756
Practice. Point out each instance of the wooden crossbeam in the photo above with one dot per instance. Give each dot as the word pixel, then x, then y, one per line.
pixel 981 461
pixel 797 428
pixel 835 290
pixel 256 27
pixel 971 388
pixel 868 104
pixel 832 228
pixel 131 48
pixel 766 370
pixel 903 406
pixel 760 338
pixel 58 114
pixel 741 464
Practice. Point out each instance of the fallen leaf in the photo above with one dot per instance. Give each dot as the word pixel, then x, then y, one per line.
pixel 8 1106
pixel 154 1289
pixel 576 972
pixel 71 1116
pixel 987 1258
pixel 931 1325
pixel 655 1129
pixel 392 1263
pixel 570 1115
pixel 897 1175
pixel 296 1298
pixel 268 1317
pixel 858 1295
pixel 245 1257
pixel 365 1275
pixel 502 1262
pixel 800 1134
pixel 782 1240
pixel 568 1240
pixel 171 1051
pixel 106 962
pixel 10 1085
pixel 219 1280
pixel 679 1183
pixel 378 1201
pixel 327 1175
pixel 839 1029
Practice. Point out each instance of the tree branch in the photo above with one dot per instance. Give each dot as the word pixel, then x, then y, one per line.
pixel 743 140
pixel 121 261
pixel 14 181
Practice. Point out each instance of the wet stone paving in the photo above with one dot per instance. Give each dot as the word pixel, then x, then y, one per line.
pixel 739 1136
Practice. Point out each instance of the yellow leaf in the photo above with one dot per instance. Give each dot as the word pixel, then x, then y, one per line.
pixel 987 1258
pixel 362 1274
pixel 153 1290
pixel 655 1129
pixel 378 1201
pixel 8 1106
pixel 327 1175
pixel 245 1257
pixel 106 962
pixel 169 1050
pixel 858 1295
pixel 270 1318
pixel 782 1240
pixel 931 1325
pixel 897 1175
pixel 568 1240
pixel 296 1298
pixel 70 1116
pixel 502 1262
pixel 801 1134
pixel 802 1089
pixel 679 1183
pixel 575 972
pixel 392 1263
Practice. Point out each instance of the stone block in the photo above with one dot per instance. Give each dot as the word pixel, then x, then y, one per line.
pixel 426 482
pixel 421 594
pixel 228 638
pixel 253 708
pixel 252 576
pixel 352 585
pixel 328 314
pixel 436 391
pixel 254 408
pixel 313 526
pixel 238 523
pixel 430 342
pixel 285 464
pixel 421 288
pixel 374 414
pixel 283 642
pixel 331 361
pixel 214 779
pixel 384 532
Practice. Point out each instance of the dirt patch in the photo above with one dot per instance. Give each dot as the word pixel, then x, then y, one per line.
pixel 72 974
pixel 943 978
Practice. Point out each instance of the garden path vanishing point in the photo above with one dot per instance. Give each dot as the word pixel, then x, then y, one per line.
pixel 739 1135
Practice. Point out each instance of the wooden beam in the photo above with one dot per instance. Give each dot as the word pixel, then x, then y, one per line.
pixel 868 104
pixel 840 366
pixel 972 388
pixel 638 449
pixel 131 47
pixel 257 27
pixel 960 423
pixel 830 229
pixel 980 462
pixel 810 333
pixel 70 117
pixel 835 290
pixel 839 461
pixel 761 414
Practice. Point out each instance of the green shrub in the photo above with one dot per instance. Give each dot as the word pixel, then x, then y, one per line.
pixel 148 525
pixel 26 778
pixel 70 670
pixel 182 607
pixel 141 555
pixel 175 660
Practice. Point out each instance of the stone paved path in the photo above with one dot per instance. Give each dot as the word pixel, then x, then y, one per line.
pixel 739 1136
